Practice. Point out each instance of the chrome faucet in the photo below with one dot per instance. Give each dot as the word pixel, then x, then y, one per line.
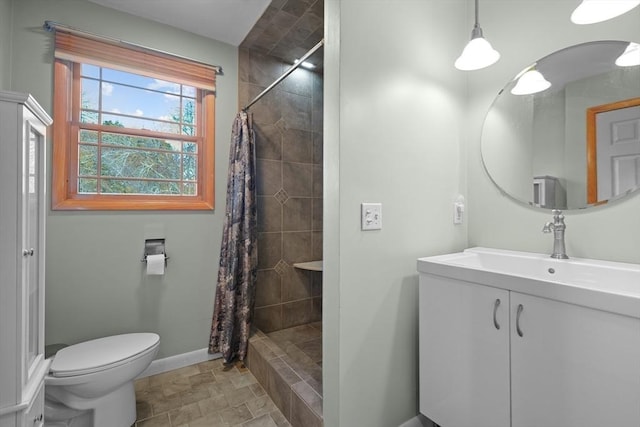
pixel 557 226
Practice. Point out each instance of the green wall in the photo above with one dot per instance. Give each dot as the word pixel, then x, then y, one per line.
pixel 5 44
pixel 95 281
pixel 393 134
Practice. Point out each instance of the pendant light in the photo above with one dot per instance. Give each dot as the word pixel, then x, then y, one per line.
pixel 478 53
pixel 592 11
pixel 529 82
pixel 630 57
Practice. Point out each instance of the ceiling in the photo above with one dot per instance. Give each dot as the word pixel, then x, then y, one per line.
pixel 285 29
pixel 228 21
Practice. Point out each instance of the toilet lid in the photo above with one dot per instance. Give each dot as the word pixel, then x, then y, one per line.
pixel 99 354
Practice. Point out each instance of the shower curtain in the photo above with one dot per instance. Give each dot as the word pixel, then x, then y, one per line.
pixel 235 290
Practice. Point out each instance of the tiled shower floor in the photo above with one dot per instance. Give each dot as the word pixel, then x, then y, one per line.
pixel 303 345
pixel 292 378
pixel 206 394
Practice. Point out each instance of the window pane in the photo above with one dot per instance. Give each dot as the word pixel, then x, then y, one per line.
pixel 175 145
pixel 118 139
pixel 190 147
pixel 138 102
pixel 189 189
pixel 118 162
pixel 139 123
pixel 189 112
pixel 188 130
pixel 88 160
pixel 90 94
pixel 88 70
pixel 190 168
pixel 88 136
pixel 124 140
pixel 87 185
pixel 116 186
pixel 115 76
pixel 90 117
pixel 189 91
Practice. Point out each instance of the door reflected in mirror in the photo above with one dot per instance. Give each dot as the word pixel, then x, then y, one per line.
pixel 541 148
pixel 613 150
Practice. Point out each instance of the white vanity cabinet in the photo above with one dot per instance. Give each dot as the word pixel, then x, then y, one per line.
pixel 23 126
pixel 526 361
pixel 464 353
pixel 573 365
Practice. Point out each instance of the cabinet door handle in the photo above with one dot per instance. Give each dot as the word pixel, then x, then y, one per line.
pixel 520 308
pixel 495 313
pixel 28 252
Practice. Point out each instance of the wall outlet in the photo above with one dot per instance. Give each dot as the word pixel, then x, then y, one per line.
pixel 458 210
pixel 371 214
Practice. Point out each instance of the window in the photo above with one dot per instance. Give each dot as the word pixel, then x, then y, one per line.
pixel 133 129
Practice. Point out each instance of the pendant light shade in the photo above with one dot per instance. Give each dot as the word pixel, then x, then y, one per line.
pixel 478 53
pixel 592 11
pixel 630 57
pixel 532 81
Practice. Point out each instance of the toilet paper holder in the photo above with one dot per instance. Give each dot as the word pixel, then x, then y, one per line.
pixel 154 247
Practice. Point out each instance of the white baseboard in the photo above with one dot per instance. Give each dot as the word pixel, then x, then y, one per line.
pixel 170 363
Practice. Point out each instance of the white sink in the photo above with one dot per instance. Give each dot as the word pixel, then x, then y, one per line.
pixel 610 286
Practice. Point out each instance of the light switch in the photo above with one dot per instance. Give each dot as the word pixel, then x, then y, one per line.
pixel 371 214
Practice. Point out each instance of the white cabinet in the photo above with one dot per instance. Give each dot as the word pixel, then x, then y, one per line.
pixel 23 126
pixel 573 366
pixel 464 353
pixel 550 364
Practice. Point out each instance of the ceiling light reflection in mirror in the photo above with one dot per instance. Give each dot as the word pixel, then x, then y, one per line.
pixel 630 57
pixel 530 81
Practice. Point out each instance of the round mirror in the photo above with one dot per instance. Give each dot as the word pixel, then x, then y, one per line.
pixel 565 132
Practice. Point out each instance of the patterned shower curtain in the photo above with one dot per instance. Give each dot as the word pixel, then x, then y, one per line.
pixel 235 291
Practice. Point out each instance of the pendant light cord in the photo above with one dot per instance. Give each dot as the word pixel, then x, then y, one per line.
pixel 476 32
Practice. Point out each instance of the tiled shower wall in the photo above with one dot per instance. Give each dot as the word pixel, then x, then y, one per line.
pixel 288 126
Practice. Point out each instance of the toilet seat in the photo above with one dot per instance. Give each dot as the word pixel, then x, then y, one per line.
pixel 101 354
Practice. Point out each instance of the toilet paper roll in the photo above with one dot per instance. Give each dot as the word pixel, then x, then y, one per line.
pixel 155 265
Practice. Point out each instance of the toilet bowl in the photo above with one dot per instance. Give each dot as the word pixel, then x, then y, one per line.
pixel 90 384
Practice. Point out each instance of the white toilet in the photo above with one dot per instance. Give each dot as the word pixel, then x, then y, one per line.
pixel 90 384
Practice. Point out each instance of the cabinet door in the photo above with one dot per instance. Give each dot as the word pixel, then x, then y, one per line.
pixel 464 353
pixel 33 245
pixel 573 366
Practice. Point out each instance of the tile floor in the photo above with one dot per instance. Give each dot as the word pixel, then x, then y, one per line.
pixel 292 378
pixel 303 346
pixel 206 394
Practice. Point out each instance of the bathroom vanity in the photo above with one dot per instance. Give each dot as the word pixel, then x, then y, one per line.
pixel 23 126
pixel 519 339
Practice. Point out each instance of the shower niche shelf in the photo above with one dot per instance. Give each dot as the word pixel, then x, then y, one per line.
pixel 311 265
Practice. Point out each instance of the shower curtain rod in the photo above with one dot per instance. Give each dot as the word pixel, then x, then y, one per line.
pixel 286 73
pixel 51 26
